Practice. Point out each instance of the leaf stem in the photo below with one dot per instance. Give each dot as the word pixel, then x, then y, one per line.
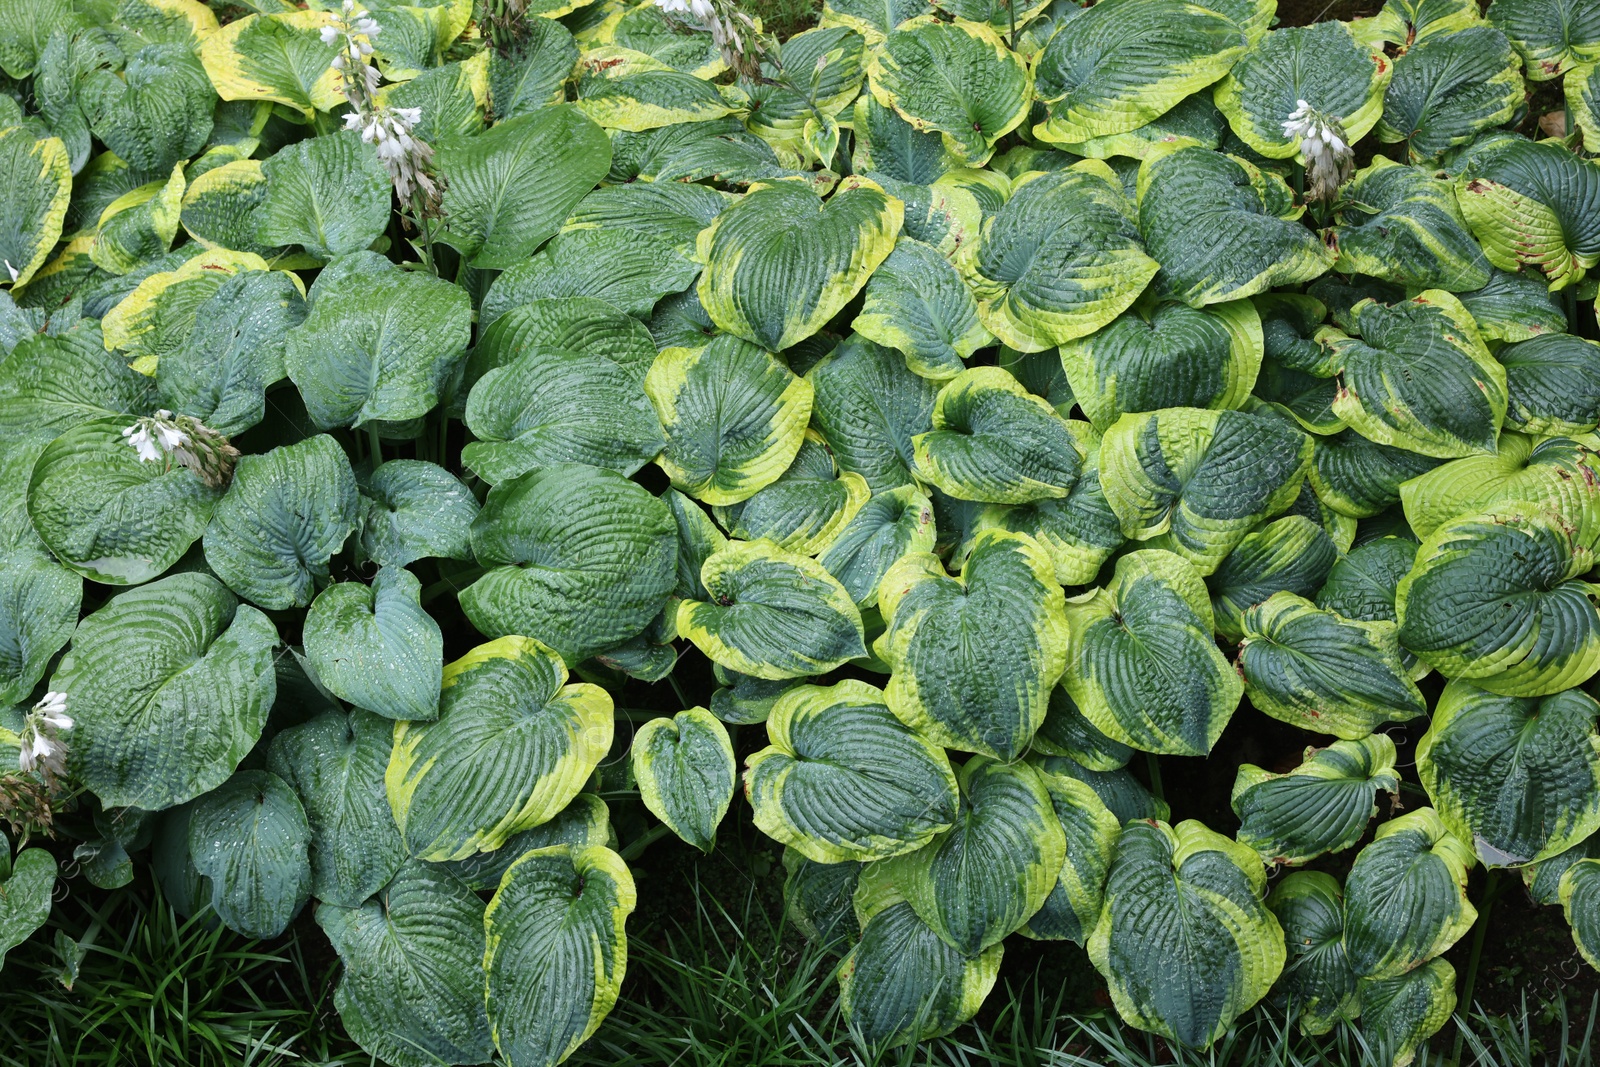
pixel 1153 763
pixel 636 847
pixel 1480 930
pixel 452 584
pixel 373 443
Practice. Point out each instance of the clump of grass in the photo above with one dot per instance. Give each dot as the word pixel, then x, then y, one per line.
pixel 784 17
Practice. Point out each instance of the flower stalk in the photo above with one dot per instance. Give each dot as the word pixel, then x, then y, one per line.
pixel 1324 150
pixel 186 441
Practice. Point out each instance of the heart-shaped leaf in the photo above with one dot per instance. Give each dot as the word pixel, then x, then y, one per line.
pixel 330 195
pixel 918 303
pixel 869 407
pixel 1323 805
pixel 412 510
pixel 27 886
pixel 1449 88
pixel 1406 898
pixel 38 183
pixel 374 646
pixel 248 838
pixel 1402 225
pixel 686 773
pixel 1317 979
pixel 39 602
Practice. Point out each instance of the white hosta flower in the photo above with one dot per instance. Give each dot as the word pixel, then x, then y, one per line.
pixel 1324 149
pixel 702 10
pixel 41 746
pixel 329 34
pixel 674 7
pixel 143 440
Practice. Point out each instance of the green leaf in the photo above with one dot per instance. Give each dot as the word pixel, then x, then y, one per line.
pixel 781 262
pixel 38 183
pixel 1124 63
pixel 248 838
pixel 330 195
pixel 983 878
pixel 918 303
pixel 1515 776
pixel 994 441
pixel 39 602
pixel 155 111
pixel 1399 1014
pixel 411 990
pixel 24 29
pixel 1323 805
pixel 530 73
pixel 550 406
pixel 1193 201
pixel 1533 205
pixel 1291 554
pixel 1361 585
pixel 1060 259
pixel 830 58
pixel 843 779
pixel 805 509
pixel 1448 89
pixel 1144 668
pixel 108 515
pixel 380 343
pixel 1543 879
pixel 673 212
pixel 282 520
pixel 1553 383
pixel 27 886
pixel 1164 356
pixel 513 744
pixel 647 28
pixel 955 78
pixel 772 614
pixel 873 19
pixel 1557 475
pixel 626 268
pixel 869 407
pixel 1118 789
pixel 1513 307
pixel 1196 482
pixel 161 309
pixel 1325 64
pixel 452 98
pixel 1402 225
pixel 1406 898
pixel 817 899
pixel 335 764
pixel 1184 942
pixel 686 772
pixel 901 983
pixel 1410 22
pixel 278 57
pixel 170 685
pixel 890 526
pixel 1323 672
pixel 1066 732
pixel 734 418
pixel 1580 893
pixel 1317 980
pixel 573 324
pixel 1073 907
pixel 413 510
pixel 583 823
pixel 555 951
pixel 1361 478
pixel 508 188
pixel 623 89
pixel 374 646
pixel 220 207
pixel 1550 34
pixel 1496 598
pixel 974 658
pixel 886 145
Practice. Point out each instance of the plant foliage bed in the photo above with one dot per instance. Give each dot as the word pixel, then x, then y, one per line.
pixel 995 411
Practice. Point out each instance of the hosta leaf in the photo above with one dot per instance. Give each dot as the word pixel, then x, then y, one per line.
pixel 1118 789
pixel 1534 205
pixel 1580 901
pixel 1124 63
pixel 335 764
pixel 1164 356
pixel 742 699
pixel 24 30
pixel 734 417
pixel 374 646
pixel 1553 383
pixel 622 89
pixel 1420 378
pixel 1402 225
pixel 957 78
pixel 1550 34
pixel 1556 474
pixel 1323 805
pixel 278 57
pixel 412 510
pixel 1185 943
pixel 582 560
pixel 509 188
pixel 27 889
pixel 1406 898
pixel 1361 585
pixel 330 195
pixel 1325 64
pixel 818 899
pixel 575 324
pixel 890 526
pixel 529 74
pixel 779 111
pixel 1194 120
pixel 221 371
pixel 974 658
pixel 284 517
pixel 1144 668
pixel 646 28
pixel 107 514
pixel 1399 1014
pixel 511 747
pixel 52 382
pixel 772 614
pixel 380 343
pixel 1067 733
pixel 1291 554
pixel 1072 909
pixel 1450 88
pixel 1322 672
pixel 901 982
pixel 674 212
pixel 1289 323
pixel 628 269
pixel 137 229
pixel 1220 228
pixel 169 685
pixel 843 779
pixel 1514 307
pixel 1361 478
pixel 781 262
pixel 412 986
pixel 1410 22
pixel 161 308
pixel 452 98
pixel 39 602
pixel 686 772
pixel 1582 91
pixel 153 113
pixel 918 303
pixel 1515 776
pixel 869 407
pixel 983 878
pixel 38 183
pixel 887 145
pixel 551 406
pixel 805 509
pixel 1543 879
pixel 1496 598
pixel 873 19
pixel 994 441
pixel 583 823
pixel 1060 259
pixel 1317 980
pixel 1197 480
pixel 248 838
pixel 555 951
